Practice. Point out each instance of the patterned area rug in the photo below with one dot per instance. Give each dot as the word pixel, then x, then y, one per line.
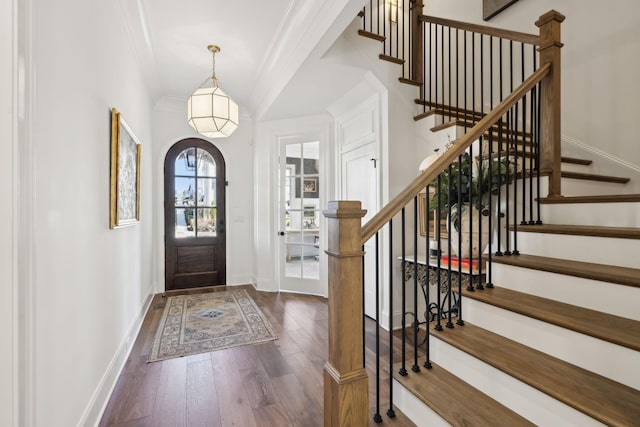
pixel 200 323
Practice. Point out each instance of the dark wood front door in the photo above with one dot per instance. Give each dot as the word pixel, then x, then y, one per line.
pixel 194 200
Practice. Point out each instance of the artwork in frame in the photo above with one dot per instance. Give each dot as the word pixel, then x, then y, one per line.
pixel 310 185
pixel 125 174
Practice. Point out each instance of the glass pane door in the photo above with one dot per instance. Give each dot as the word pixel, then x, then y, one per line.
pixel 300 217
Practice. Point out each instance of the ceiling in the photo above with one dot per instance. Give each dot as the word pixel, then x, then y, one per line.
pixel 261 41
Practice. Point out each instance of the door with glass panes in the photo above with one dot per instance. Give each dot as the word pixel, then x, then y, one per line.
pixel 194 195
pixel 300 216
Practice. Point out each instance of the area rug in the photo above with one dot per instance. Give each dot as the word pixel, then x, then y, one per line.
pixel 200 323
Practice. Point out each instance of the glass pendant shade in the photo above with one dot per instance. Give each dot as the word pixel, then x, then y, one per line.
pixel 210 111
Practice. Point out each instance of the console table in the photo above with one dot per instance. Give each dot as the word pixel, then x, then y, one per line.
pixel 430 265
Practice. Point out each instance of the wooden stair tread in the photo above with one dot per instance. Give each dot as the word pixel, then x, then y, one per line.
pixel 582 230
pixel 391 59
pixel 607 198
pixel 443 392
pixel 423 115
pixel 576 161
pixel 410 81
pixel 371 35
pixel 587 270
pixel 594 177
pixel 601 398
pixel 604 326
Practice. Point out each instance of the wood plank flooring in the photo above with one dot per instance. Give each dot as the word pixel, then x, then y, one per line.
pixel 278 383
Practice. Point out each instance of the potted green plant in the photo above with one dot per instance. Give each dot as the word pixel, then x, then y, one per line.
pixel 466 194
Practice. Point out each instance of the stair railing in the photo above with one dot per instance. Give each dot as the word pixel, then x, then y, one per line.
pixel 487 145
pixel 396 24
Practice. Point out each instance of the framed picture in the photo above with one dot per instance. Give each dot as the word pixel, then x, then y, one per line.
pixel 433 219
pixel 125 174
pixel 310 185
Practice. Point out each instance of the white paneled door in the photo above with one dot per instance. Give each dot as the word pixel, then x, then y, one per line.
pixel 360 182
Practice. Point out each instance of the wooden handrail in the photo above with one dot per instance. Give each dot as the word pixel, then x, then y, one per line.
pixel 483 29
pixel 394 206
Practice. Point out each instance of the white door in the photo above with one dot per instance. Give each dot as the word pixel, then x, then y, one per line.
pixel 300 217
pixel 360 182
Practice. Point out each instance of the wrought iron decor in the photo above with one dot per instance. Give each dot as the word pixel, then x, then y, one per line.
pixel 491 8
pixel 125 174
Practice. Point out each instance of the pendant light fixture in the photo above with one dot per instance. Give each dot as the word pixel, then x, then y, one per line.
pixel 210 111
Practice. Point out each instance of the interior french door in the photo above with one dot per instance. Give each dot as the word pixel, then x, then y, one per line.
pixel 194 196
pixel 300 240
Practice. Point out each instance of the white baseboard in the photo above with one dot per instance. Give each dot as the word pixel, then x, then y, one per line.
pixel 98 403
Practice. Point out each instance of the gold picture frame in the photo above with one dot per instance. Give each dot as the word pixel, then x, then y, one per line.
pixel 422 218
pixel 124 203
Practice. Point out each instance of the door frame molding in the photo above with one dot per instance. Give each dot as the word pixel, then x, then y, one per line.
pixel 266 184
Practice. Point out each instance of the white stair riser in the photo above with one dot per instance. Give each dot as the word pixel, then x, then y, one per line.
pixel 572 167
pixel 598 250
pixel 582 187
pixel 578 349
pixel 615 299
pixel 415 409
pixel 530 403
pixel 598 214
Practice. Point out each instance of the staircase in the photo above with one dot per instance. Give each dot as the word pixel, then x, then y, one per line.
pixel 553 338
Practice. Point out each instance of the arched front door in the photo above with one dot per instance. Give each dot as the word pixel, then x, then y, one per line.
pixel 194 207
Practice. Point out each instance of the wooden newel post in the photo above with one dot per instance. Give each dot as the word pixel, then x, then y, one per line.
pixel 550 135
pixel 346 388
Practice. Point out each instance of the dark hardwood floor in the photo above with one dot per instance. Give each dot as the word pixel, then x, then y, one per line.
pixel 278 383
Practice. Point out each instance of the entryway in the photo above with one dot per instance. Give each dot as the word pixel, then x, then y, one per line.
pixel 194 212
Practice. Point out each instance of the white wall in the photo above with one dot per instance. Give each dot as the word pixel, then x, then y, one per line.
pixel 600 63
pixel 90 283
pixel 8 172
pixel 170 126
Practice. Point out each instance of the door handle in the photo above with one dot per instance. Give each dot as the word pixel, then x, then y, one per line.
pixel 281 233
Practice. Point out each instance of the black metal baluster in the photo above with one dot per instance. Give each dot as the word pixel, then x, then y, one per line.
pixel 364 18
pixel 465 81
pixel 376 417
pixel 524 147
pixel 390 412
pixel 363 317
pixel 533 142
pixel 450 178
pixel 438 326
pixel 480 285
pixel 481 77
pixel 427 362
pixel 539 221
pixel 430 63
pixel 509 141
pixel 415 367
pixel 489 283
pixel 490 74
pixel 403 368
pixel 449 70
pixel 442 65
pixel 499 251
pixel 457 71
pixel 384 28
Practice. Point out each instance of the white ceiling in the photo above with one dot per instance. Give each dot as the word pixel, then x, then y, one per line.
pixel 261 41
